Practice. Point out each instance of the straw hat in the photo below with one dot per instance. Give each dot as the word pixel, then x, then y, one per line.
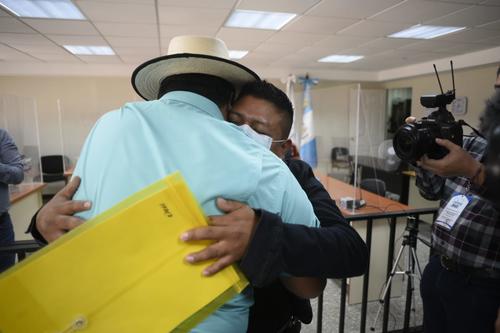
pixel 190 54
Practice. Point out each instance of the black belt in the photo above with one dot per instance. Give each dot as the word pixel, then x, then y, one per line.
pixel 453 266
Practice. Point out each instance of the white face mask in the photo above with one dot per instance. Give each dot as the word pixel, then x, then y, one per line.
pixel 262 139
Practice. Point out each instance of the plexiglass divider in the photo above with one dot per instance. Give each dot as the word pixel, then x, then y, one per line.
pixel 19 117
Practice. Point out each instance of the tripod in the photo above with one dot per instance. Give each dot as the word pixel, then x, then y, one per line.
pixel 410 242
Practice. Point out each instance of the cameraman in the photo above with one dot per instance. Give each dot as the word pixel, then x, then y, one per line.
pixel 460 286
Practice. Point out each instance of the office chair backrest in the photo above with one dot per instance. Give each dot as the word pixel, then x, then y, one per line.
pixel 52 164
pixel 340 154
pixel 374 185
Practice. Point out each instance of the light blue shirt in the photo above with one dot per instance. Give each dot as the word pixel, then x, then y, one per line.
pixel 130 148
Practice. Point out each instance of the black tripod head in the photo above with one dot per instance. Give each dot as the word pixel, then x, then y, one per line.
pixel 412 225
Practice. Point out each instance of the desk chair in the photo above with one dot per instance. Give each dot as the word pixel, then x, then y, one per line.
pixel 374 185
pixel 53 172
pixel 341 164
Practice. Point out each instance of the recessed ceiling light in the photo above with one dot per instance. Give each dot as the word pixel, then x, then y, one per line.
pixel 89 50
pixel 340 58
pixel 258 20
pixel 57 9
pixel 237 54
pixel 425 31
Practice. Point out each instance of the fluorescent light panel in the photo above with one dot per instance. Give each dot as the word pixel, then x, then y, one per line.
pixel 56 9
pixel 340 58
pixel 258 20
pixel 425 31
pixel 237 54
pixel 89 50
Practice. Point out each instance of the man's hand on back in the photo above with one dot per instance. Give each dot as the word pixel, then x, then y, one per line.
pixel 56 217
pixel 232 234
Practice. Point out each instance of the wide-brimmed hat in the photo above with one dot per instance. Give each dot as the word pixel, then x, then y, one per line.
pixel 190 54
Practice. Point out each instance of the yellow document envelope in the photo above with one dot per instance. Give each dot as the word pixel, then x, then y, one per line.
pixel 122 271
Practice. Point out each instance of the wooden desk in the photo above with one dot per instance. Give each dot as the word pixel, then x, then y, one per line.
pixel 25 200
pixel 68 174
pixel 375 205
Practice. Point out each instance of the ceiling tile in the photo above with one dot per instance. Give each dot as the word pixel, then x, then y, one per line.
pixel 469 17
pixel 127 29
pixel 319 24
pixel 147 2
pixel 78 40
pixel 491 3
pixel 427 46
pixel 385 43
pixel 169 31
pixel 38 39
pixel 283 6
pixel 187 16
pixel 7 53
pixel 48 49
pixel 10 24
pixel 492 41
pixel 241 44
pixel 274 48
pixel 290 60
pixel 495 25
pixel 198 3
pixel 135 59
pixel 252 35
pixel 351 8
pixel 315 53
pixel 373 29
pixel 342 42
pixel 468 47
pixel 136 51
pixel 51 57
pixel 132 42
pixel 68 27
pixel 469 2
pixel 100 59
pixel 124 12
pixel 414 12
pixel 470 35
pixel 298 39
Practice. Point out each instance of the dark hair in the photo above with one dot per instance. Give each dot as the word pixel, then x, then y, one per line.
pixel 490 118
pixel 216 89
pixel 269 92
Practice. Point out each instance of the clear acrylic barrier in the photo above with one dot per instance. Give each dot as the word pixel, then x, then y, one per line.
pixel 75 123
pixel 18 116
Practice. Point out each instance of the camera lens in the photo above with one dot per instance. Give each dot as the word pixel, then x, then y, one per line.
pixel 405 142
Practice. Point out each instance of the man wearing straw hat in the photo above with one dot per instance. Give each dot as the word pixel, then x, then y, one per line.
pixel 181 127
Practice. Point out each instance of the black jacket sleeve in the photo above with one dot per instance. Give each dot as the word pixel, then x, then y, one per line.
pixel 34 231
pixel 333 251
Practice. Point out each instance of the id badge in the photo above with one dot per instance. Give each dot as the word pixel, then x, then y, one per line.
pixel 452 211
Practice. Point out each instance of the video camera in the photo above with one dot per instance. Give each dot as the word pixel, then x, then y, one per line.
pixel 412 141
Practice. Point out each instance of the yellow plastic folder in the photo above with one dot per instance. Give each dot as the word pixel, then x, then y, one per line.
pixel 122 271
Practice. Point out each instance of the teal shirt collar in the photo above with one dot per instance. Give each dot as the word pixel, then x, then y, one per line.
pixel 200 102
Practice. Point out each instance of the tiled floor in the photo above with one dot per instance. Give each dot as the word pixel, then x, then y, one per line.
pixel 331 305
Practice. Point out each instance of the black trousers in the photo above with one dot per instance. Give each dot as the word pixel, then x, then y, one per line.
pixel 6 238
pixel 456 302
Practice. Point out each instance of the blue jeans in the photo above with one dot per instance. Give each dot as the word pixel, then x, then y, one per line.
pixel 456 302
pixel 6 238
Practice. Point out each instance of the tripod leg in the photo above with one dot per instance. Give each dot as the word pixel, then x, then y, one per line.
pixel 414 253
pixel 409 290
pixel 387 286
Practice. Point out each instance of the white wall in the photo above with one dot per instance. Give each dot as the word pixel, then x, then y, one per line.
pixel 82 101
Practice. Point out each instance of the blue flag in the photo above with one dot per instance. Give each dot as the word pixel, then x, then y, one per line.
pixel 308 138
